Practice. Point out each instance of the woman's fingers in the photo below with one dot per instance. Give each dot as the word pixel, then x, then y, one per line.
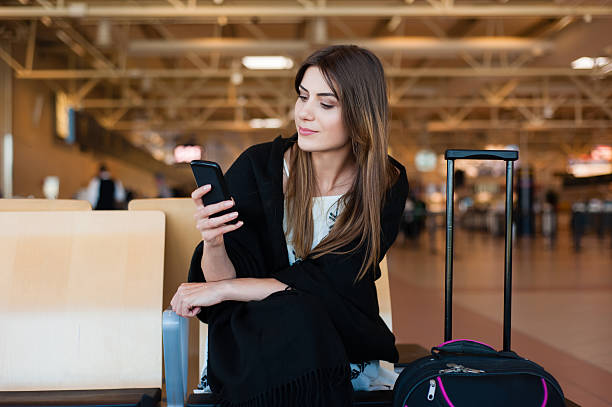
pixel 198 194
pixel 180 301
pixel 212 228
pixel 216 208
pixel 193 311
pixel 190 297
pixel 210 234
pixel 211 223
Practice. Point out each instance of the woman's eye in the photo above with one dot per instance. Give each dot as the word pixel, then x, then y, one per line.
pixel 326 106
pixel 303 97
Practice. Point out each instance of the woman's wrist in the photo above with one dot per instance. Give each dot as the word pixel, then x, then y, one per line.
pixel 223 289
pixel 212 246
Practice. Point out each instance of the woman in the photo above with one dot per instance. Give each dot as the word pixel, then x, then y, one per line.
pixel 288 291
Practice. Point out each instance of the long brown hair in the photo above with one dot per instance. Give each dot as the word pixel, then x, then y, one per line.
pixel 356 77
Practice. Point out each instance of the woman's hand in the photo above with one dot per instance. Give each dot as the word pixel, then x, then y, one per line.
pixel 213 229
pixel 190 297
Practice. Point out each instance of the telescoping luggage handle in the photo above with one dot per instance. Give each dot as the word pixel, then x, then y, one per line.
pixel 451 155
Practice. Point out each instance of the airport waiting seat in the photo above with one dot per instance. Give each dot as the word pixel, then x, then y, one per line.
pixel 80 308
pixel 181 238
pixel 35 205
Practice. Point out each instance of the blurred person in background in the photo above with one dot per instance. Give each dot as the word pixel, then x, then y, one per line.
pixel 104 192
pixel 549 217
pixel 578 223
pixel 608 218
pixel 595 209
pixel 163 190
pixel 414 218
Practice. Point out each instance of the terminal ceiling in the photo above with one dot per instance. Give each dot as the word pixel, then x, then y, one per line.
pixel 460 73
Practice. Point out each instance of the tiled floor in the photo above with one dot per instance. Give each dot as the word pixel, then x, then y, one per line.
pixel 562 302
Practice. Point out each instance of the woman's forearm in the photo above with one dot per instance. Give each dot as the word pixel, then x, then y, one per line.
pixel 249 289
pixel 216 265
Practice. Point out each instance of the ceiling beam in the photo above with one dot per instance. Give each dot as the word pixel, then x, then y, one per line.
pixel 421 46
pixel 136 73
pixel 421 103
pixel 431 126
pixel 469 125
pixel 592 94
pixel 83 10
pixel 10 61
pixel 31 45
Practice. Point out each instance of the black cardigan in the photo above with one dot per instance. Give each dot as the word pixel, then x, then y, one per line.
pixel 258 249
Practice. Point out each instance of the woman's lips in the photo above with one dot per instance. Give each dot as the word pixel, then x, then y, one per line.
pixel 306 132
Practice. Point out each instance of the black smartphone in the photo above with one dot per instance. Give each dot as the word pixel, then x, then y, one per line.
pixel 209 172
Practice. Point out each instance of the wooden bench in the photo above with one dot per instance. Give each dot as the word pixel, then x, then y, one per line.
pixel 35 205
pixel 180 241
pixel 80 307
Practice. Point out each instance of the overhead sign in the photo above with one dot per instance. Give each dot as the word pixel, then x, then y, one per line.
pixel 598 162
pixel 186 154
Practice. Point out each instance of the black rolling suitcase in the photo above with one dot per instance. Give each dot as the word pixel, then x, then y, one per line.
pixel 464 372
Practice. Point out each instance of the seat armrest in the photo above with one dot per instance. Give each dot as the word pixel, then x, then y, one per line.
pixel 175 334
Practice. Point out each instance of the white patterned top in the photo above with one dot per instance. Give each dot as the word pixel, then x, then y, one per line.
pixel 325 211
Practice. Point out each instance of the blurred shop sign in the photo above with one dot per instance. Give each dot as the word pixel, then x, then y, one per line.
pixel 602 152
pixel 425 160
pixel 187 153
pixel 64 118
pixel 598 162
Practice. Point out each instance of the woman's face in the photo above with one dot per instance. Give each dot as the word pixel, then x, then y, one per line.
pixel 318 115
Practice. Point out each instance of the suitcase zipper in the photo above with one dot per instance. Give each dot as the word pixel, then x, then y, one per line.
pixel 455 368
pixel 432 390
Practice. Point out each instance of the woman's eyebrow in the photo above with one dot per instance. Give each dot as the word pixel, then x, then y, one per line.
pixel 318 94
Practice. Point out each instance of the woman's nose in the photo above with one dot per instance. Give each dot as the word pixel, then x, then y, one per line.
pixel 305 113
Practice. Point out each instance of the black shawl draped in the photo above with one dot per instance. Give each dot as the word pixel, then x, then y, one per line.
pixel 293 347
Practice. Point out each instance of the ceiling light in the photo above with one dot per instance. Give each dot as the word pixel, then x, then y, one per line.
pixel 77 9
pixel 103 33
pixel 272 123
pixel 548 112
pixel 583 63
pixel 590 63
pixel 267 62
pixel 236 78
pixel 394 23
